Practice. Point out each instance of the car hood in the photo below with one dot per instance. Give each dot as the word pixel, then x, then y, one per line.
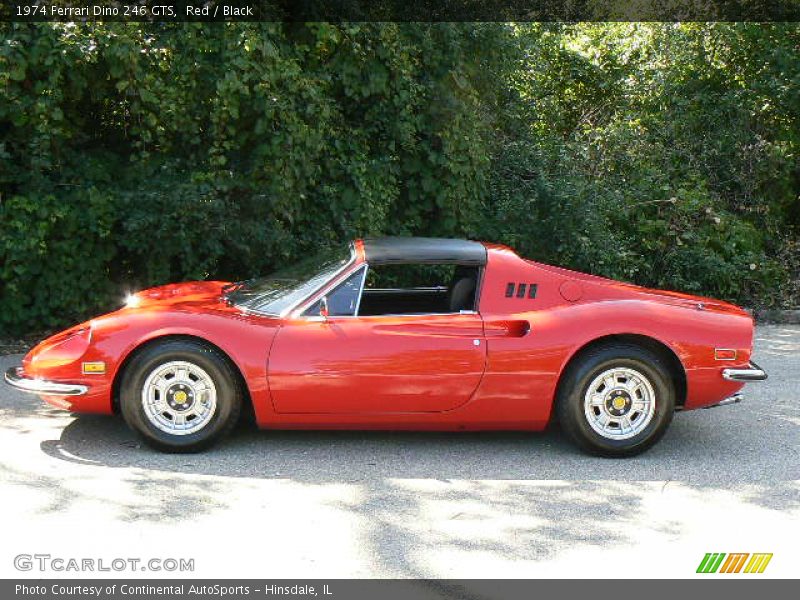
pixel 190 294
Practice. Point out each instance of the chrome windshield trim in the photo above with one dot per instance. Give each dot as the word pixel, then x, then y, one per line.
pixel 15 377
pixel 330 285
pixel 292 307
pixel 361 289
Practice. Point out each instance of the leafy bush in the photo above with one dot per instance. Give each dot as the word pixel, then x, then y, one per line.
pixel 48 246
pixel 641 152
pixel 136 154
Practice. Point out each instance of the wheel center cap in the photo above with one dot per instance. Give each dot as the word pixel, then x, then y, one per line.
pixel 180 397
pixel 618 403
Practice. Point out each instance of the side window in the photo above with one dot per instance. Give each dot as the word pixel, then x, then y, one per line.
pixel 343 299
pixel 416 289
pixel 409 276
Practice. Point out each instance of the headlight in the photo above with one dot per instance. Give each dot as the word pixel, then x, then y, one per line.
pixel 61 349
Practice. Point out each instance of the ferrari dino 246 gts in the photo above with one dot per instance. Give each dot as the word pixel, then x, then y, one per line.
pixel 402 333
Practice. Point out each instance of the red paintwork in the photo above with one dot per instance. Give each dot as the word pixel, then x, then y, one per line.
pixel 411 372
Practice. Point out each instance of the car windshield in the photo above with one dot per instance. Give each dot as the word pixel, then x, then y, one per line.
pixel 278 292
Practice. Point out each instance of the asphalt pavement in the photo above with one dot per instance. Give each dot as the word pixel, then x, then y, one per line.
pixel 271 504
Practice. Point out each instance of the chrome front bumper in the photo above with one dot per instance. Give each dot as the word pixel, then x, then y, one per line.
pixel 753 373
pixel 15 378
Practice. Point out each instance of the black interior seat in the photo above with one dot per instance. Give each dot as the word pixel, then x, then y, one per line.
pixel 462 291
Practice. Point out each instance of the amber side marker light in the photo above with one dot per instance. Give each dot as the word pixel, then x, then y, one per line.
pixel 94 368
pixel 724 354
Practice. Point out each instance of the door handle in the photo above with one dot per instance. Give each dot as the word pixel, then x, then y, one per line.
pixel 510 328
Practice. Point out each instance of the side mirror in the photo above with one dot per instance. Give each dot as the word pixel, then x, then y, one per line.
pixel 323 307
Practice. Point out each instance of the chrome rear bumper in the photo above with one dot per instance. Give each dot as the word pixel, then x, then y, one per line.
pixel 15 378
pixel 735 399
pixel 753 373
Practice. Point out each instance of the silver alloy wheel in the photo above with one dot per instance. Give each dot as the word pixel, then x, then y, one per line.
pixel 179 397
pixel 619 403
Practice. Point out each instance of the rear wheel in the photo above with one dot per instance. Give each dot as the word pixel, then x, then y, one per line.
pixel 180 396
pixel 616 400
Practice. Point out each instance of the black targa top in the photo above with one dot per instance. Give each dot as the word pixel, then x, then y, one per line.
pixel 424 250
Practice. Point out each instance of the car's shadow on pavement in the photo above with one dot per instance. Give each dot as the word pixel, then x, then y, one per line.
pixel 698 448
pixel 408 497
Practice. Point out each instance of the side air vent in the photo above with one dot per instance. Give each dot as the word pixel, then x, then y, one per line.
pixel 520 289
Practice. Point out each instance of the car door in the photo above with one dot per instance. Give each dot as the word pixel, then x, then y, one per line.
pixel 376 364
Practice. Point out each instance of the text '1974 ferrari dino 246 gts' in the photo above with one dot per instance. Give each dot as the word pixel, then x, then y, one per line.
pixel 402 333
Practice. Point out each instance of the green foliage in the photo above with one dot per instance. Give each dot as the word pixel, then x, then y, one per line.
pixel 132 155
pixel 48 246
pixel 136 154
pixel 662 154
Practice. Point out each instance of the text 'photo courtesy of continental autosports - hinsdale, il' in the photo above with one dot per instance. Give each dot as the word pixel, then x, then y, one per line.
pixel 475 338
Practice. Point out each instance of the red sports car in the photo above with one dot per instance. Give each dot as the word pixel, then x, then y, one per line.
pixel 402 333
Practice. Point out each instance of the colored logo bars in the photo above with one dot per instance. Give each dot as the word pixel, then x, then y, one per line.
pixel 717 562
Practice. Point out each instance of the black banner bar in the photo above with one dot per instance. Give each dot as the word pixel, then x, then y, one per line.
pixel 403 589
pixel 400 10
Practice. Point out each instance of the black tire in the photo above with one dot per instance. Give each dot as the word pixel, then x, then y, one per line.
pixel 579 376
pixel 228 394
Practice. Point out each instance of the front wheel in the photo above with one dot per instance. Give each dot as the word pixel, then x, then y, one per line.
pixel 616 400
pixel 180 396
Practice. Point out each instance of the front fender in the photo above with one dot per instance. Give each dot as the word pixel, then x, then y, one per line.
pixel 245 339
